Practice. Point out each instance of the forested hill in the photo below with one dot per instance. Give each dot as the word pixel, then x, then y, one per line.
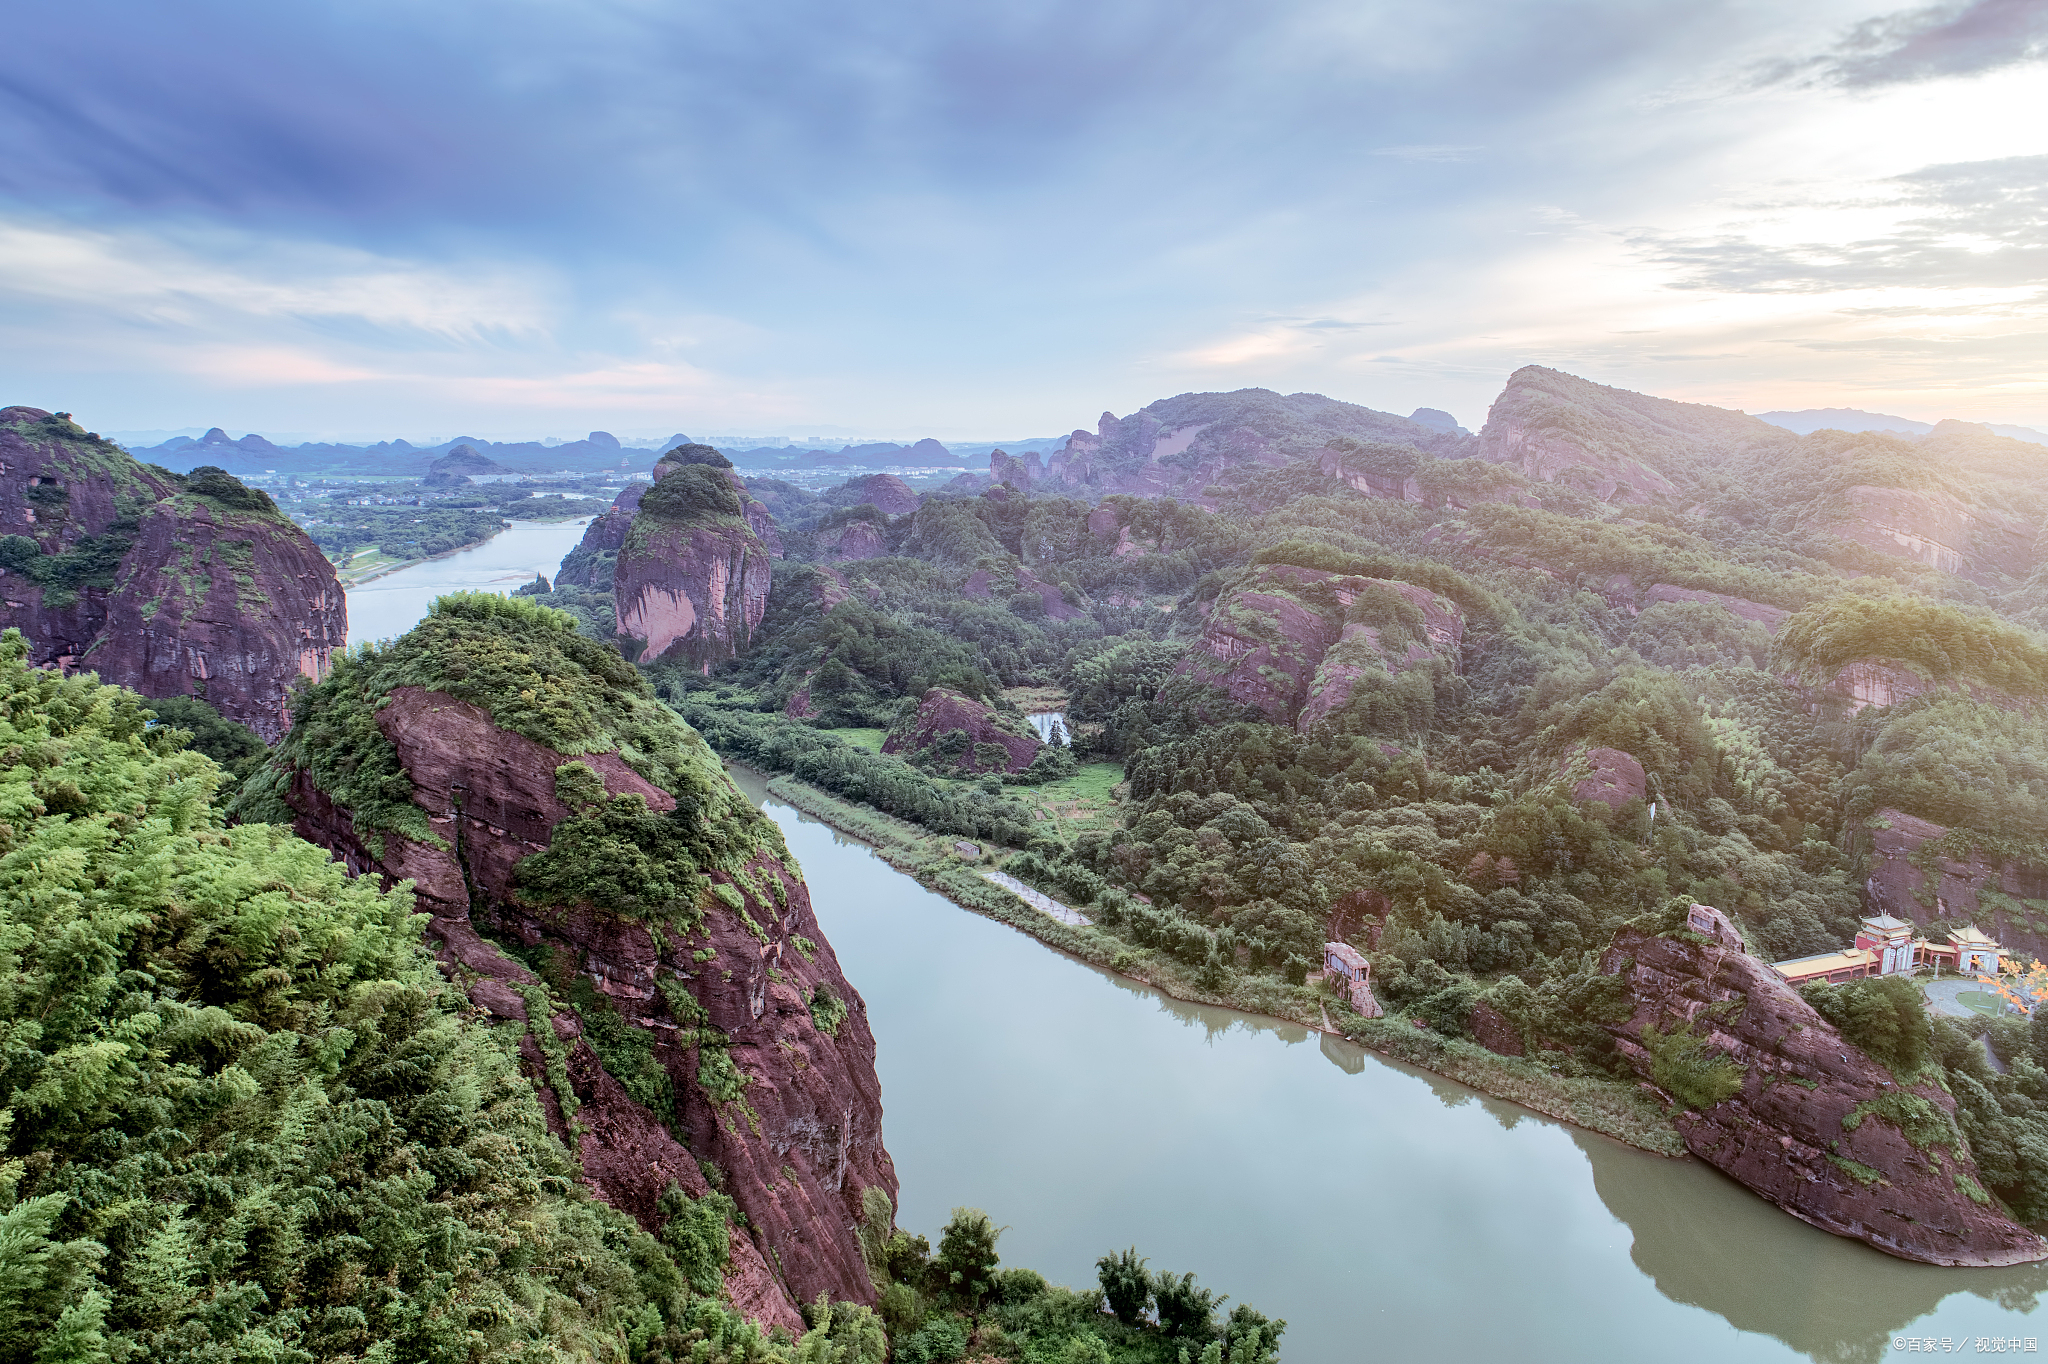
pixel 1364 679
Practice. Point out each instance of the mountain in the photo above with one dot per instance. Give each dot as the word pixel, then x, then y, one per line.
pixel 174 585
pixel 1811 419
pixel 1179 446
pixel 595 878
pixel 1610 443
pixel 464 459
pixel 250 456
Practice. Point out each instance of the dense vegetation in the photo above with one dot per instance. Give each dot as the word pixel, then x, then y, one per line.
pixel 244 1116
pixel 1436 818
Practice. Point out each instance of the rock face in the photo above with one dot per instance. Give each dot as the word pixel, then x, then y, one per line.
pixel 594 560
pixel 962 733
pixel 1783 1134
pixel 1621 593
pixel 1612 444
pixel 745 985
pixel 174 586
pixel 849 536
pixel 1937 529
pixel 1612 777
pixel 1299 643
pixel 1978 887
pixel 692 576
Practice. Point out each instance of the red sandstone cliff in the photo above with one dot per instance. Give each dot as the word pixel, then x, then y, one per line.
pixel 1300 644
pixel 692 576
pixel 174 586
pixel 805 1137
pixel 1783 1134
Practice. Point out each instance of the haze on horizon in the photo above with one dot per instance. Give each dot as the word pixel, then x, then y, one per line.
pixel 380 219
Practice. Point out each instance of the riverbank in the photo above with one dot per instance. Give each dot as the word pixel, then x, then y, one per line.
pixel 1622 1112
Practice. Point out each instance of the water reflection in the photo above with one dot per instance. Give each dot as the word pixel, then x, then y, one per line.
pixel 1827 1297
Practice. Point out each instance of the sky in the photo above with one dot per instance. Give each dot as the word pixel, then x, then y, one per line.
pixel 916 217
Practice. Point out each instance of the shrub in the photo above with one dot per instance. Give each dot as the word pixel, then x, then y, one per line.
pixel 1683 1068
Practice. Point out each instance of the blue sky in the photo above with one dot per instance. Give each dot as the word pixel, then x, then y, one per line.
pixel 1003 218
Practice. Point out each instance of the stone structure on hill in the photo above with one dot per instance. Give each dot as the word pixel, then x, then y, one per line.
pixel 716 1034
pixel 172 585
pixel 1811 1128
pixel 1346 964
pixel 957 732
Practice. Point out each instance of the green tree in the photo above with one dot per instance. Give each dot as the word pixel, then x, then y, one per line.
pixel 1126 1287
pixel 967 1258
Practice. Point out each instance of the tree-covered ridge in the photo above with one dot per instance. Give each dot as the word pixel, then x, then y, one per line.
pixel 1481 833
pixel 243 1116
pixel 1676 440
pixel 1942 643
pixel 527 667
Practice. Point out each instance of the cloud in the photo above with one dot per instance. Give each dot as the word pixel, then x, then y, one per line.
pixel 1973 225
pixel 1927 44
pixel 152 279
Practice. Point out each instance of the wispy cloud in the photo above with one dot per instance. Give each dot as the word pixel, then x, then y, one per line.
pixel 1974 225
pixel 1964 39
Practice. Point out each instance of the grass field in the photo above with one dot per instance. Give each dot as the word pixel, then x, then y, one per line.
pixel 870 739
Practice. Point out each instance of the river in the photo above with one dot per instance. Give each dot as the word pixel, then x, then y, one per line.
pixel 387 607
pixel 1386 1213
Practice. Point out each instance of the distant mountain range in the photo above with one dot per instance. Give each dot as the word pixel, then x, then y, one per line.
pixel 1811 419
pixel 252 456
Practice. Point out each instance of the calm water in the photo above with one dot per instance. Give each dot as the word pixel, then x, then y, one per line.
pixel 1387 1214
pixel 387 607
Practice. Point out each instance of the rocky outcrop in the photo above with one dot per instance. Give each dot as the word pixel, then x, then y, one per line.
pixel 1015 472
pixel 884 492
pixel 1934 528
pixel 170 585
pixel 1607 775
pixel 591 564
pixel 692 577
pixel 1179 446
pixel 1909 880
pixel 851 540
pixel 1620 592
pixel 1298 643
pixel 1888 681
pixel 1808 1129
pixel 1612 444
pixel 737 1003
pixel 958 732
pixel 1383 649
